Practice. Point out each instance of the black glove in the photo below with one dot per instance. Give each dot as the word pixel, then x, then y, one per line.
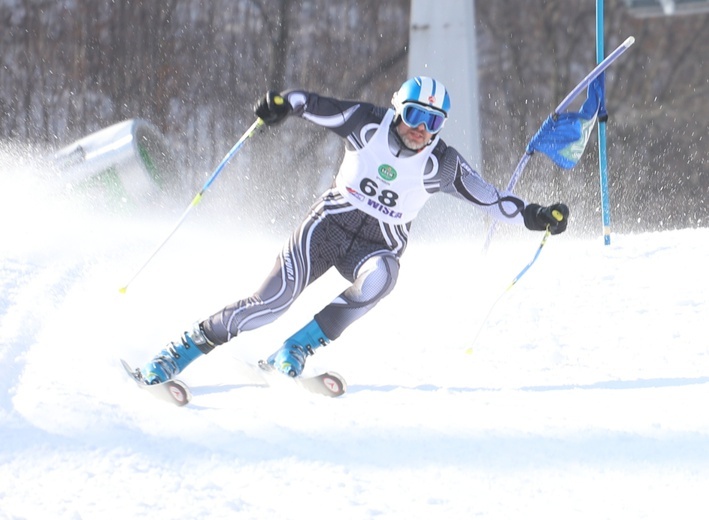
pixel 272 108
pixel 537 217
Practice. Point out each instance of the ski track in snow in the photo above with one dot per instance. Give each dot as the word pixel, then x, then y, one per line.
pixel 584 396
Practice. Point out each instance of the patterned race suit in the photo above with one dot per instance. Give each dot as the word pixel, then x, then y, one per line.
pixel 359 226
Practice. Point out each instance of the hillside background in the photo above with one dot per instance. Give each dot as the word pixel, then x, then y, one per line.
pixel 194 69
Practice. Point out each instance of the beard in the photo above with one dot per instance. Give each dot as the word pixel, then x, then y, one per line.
pixel 410 143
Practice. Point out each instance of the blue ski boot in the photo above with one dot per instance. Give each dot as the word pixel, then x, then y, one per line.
pixel 290 358
pixel 173 359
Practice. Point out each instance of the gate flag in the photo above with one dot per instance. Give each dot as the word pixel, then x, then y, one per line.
pixel 563 137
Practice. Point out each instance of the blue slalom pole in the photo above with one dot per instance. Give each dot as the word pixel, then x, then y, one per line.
pixel 602 158
pixel 571 96
pixel 578 89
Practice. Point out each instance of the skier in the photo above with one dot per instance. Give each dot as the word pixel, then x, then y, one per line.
pixel 394 161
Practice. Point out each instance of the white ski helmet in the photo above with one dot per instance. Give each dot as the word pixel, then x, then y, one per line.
pixel 422 100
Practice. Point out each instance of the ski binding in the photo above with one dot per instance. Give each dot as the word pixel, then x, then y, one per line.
pixel 173 391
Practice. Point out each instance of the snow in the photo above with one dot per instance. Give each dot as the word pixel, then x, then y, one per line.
pixel 584 395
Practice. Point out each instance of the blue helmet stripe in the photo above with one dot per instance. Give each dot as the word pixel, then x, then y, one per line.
pixel 429 87
pixel 424 90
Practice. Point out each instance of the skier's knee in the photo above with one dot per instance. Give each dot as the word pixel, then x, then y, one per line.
pixel 376 278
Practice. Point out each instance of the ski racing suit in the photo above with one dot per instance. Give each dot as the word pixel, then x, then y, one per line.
pixel 361 224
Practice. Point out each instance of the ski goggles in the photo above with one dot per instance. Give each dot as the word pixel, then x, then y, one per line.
pixel 413 115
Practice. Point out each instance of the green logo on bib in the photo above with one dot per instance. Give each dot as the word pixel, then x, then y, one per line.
pixel 387 173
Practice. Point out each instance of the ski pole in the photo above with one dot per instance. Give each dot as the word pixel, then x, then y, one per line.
pixel 585 82
pixel 559 217
pixel 197 198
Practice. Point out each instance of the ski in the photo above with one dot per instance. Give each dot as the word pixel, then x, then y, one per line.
pixel 173 391
pixel 329 384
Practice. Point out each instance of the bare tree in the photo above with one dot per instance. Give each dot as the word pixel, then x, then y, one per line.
pixel 195 69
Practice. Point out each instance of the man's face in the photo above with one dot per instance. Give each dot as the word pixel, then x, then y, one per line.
pixel 414 138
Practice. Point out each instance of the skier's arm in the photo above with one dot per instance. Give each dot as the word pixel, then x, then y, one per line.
pixel 461 180
pixel 340 116
pixel 458 178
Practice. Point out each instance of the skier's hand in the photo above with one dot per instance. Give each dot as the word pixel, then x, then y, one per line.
pixel 537 217
pixel 272 108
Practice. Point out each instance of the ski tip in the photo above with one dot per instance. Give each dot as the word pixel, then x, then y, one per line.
pixel 629 41
pixel 132 372
pixel 123 290
pixel 263 365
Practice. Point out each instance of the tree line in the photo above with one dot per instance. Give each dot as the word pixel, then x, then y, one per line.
pixel 194 68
